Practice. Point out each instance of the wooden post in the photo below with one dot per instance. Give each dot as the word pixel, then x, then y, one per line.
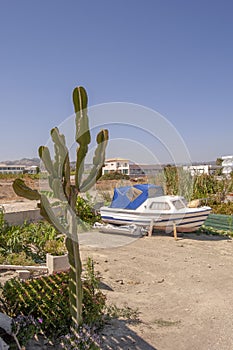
pixel 175 231
pixel 151 228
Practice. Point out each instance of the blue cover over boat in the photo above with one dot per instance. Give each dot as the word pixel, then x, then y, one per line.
pixel 131 197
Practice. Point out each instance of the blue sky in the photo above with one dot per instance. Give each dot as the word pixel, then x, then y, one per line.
pixel 175 57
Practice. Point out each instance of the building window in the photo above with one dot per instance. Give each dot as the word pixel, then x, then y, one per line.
pixel 125 171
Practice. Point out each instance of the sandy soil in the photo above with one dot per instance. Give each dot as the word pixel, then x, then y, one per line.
pixel 182 290
pixel 7 193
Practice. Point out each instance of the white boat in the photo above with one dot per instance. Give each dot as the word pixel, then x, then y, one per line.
pixel 146 205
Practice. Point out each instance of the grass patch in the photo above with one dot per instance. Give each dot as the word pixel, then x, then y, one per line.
pixel 126 312
pixel 166 323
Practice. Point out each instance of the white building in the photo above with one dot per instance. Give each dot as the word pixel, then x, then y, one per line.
pixel 17 169
pixel 11 169
pixel 113 165
pixel 227 164
pixel 126 167
pixel 199 169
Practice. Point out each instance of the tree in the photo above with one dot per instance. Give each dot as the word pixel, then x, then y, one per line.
pixel 218 162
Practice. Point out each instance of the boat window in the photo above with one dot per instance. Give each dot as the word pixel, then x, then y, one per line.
pixel 178 204
pixel 155 192
pixel 133 193
pixel 160 206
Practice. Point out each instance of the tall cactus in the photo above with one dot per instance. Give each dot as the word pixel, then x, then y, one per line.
pixel 60 184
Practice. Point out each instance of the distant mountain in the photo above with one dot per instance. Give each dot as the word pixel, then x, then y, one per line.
pixel 23 161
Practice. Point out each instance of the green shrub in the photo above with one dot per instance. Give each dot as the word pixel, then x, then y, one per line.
pixel 205 186
pixel 55 247
pixel 19 259
pixel 2 259
pixel 86 212
pixel 46 299
pixel 3 223
pixel 221 207
pixel 25 327
pixel 93 299
pixel 114 176
pixel 31 239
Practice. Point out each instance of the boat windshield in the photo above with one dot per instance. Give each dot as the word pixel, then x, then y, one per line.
pixel 178 204
pixel 160 206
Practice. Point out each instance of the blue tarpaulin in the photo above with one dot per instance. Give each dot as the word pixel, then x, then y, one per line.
pixel 131 197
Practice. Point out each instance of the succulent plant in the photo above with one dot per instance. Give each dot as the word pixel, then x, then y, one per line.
pixel 59 181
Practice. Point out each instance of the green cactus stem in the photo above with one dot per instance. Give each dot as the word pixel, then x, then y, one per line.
pixel 60 184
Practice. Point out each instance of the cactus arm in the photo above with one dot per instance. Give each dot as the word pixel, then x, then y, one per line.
pixel 44 155
pixel 83 136
pixel 61 151
pixel 62 163
pixel 67 182
pixel 80 99
pixel 98 161
pixel 22 190
pixel 81 154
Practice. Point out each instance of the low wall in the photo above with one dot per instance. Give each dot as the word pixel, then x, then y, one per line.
pixel 19 217
pixel 17 214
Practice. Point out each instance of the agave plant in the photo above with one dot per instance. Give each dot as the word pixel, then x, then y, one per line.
pixel 59 181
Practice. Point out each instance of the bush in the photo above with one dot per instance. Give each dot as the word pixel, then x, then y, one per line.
pixel 30 240
pixel 17 259
pixel 221 207
pixel 25 327
pixel 55 247
pixel 86 212
pixel 46 299
pixel 114 176
pixel 93 299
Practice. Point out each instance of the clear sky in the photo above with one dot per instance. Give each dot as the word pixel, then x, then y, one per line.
pixel 172 56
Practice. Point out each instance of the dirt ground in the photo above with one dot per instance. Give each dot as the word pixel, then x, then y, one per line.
pixel 7 193
pixel 182 290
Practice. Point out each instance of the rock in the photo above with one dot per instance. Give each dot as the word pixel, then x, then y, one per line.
pixel 23 274
pixel 120 281
pixel 194 203
pixel 160 281
pixel 6 323
pixel 3 345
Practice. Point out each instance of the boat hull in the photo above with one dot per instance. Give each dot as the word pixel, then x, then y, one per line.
pixel 188 221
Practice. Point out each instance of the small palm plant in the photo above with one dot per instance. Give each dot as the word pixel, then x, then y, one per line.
pixel 59 181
